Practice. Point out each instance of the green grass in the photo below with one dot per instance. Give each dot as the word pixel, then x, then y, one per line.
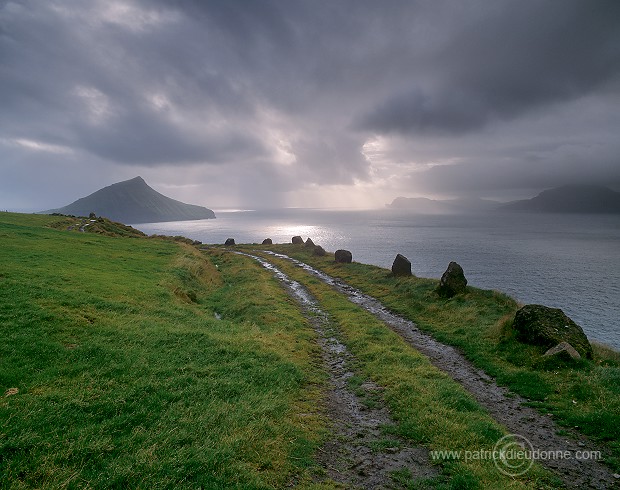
pixel 583 395
pixel 129 362
pixel 125 378
pixel 428 406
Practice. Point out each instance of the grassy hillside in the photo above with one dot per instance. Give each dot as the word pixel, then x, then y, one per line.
pixel 134 362
pixel 115 373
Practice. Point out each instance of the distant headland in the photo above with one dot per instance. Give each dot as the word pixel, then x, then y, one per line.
pixel 133 201
pixel 566 199
pixel 570 199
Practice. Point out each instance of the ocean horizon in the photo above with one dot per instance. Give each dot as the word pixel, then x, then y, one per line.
pixel 567 261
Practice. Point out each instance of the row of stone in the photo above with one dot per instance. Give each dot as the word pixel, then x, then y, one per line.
pixel 452 282
pixel 340 256
pixel 316 249
pixel 534 324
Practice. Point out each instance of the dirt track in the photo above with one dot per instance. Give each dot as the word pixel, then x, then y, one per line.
pixel 348 456
pixel 505 407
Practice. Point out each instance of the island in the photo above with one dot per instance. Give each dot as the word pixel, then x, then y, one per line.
pixel 133 201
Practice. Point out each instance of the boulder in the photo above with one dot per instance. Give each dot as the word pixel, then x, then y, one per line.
pixel 343 256
pixel 452 281
pixel 401 266
pixel 320 251
pixel 309 242
pixel 564 351
pixel 548 327
pixel 229 241
pixel 297 240
pixel 267 241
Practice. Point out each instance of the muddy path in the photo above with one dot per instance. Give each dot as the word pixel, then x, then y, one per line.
pixel 509 409
pixel 351 455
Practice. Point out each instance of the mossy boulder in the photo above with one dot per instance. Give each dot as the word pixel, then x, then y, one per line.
pixel 229 241
pixel 297 240
pixel 267 241
pixel 343 256
pixel 452 281
pixel 401 266
pixel 548 327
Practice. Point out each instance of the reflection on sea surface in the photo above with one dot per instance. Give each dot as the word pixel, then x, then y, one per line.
pixel 566 261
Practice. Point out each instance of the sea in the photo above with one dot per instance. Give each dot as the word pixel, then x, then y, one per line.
pixel 567 261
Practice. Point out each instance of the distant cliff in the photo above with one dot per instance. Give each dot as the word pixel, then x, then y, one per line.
pixel 133 201
pixel 570 199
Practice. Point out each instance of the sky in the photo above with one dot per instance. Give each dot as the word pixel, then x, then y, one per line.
pixel 307 103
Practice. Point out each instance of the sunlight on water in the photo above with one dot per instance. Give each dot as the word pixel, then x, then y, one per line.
pixel 564 261
pixel 283 233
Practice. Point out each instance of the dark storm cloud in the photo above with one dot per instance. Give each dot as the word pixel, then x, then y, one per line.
pixel 275 96
pixel 497 178
pixel 94 86
pixel 568 144
pixel 511 60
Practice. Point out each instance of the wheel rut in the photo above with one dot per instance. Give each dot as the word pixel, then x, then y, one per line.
pixel 353 456
pixel 507 408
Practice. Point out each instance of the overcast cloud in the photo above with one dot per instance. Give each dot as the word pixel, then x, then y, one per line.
pixel 307 103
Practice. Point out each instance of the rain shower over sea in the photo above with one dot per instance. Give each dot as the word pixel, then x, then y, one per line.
pixel 567 261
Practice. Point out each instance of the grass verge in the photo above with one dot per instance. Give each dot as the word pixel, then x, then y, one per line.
pixel 115 372
pixel 428 406
pixel 583 395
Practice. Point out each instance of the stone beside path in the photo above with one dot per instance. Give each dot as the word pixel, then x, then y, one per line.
pixel 507 408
